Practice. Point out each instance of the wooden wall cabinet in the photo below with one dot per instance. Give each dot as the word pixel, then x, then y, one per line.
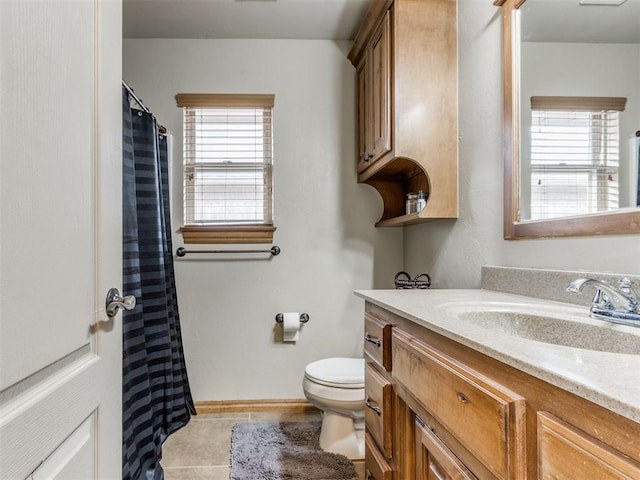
pixel 458 414
pixel 405 55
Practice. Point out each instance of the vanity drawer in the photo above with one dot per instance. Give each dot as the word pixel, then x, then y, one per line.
pixel 377 340
pixel 378 407
pixel 434 460
pixel 566 452
pixel 485 417
pixel 375 464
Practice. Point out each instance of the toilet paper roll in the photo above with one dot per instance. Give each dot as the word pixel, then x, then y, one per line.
pixel 291 326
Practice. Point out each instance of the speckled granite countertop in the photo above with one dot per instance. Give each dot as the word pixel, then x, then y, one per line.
pixel 611 380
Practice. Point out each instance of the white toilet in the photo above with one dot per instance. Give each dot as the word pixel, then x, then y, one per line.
pixel 336 386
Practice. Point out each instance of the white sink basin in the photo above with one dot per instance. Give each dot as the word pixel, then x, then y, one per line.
pixel 588 334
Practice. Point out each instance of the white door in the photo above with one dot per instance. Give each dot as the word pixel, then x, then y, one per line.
pixel 60 238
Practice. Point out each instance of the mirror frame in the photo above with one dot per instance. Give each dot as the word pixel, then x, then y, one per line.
pixel 623 221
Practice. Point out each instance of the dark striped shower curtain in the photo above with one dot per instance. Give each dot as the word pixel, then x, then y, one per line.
pixel 156 399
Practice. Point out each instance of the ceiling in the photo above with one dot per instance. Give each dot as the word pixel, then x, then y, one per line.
pixel 290 19
pixel 568 21
pixel 542 20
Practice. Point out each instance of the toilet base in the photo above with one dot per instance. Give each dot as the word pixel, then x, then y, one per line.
pixel 342 435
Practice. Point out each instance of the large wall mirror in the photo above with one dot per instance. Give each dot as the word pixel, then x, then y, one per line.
pixel 572 116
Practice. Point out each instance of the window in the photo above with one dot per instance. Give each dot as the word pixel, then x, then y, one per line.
pixel 574 155
pixel 227 166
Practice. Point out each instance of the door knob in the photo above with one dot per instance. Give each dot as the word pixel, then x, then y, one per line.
pixel 116 302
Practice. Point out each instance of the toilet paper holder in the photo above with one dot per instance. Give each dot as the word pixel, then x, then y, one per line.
pixel 304 318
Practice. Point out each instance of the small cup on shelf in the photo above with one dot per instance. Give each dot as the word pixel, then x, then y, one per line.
pixel 416 201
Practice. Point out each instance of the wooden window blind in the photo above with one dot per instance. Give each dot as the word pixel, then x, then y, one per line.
pixel 574 155
pixel 228 163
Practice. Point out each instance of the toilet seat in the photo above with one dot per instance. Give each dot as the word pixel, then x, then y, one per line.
pixel 337 372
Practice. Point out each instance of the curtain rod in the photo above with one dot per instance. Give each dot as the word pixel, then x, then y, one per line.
pixel 161 128
pixel 135 97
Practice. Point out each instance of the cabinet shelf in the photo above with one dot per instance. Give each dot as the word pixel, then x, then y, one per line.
pixel 394 178
pixel 402 220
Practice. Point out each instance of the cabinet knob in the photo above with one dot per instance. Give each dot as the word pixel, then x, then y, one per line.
pixel 463 398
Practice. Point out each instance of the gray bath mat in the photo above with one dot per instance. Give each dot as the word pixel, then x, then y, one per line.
pixel 284 451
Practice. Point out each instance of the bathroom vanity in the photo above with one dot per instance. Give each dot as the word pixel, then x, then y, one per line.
pixel 478 384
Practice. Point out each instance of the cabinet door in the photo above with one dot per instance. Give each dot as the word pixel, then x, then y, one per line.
pixel 374 98
pixel 380 59
pixel 434 461
pixel 364 114
pixel 565 452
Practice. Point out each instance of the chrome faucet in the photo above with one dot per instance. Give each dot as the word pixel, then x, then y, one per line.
pixel 617 305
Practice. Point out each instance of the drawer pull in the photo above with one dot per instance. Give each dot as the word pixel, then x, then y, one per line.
pixel 374 340
pixel 463 398
pixel 367 402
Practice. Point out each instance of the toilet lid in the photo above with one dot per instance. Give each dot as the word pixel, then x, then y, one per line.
pixel 337 372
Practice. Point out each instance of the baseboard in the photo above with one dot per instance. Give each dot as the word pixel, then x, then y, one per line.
pixel 266 405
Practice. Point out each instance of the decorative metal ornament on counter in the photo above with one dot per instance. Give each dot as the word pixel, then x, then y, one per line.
pixel 403 280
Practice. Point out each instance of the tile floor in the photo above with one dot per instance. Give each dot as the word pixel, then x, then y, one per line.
pixel 201 450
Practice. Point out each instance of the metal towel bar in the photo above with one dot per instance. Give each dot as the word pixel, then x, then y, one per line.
pixel 275 250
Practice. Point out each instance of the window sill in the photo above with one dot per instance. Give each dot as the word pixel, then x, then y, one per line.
pixel 228 234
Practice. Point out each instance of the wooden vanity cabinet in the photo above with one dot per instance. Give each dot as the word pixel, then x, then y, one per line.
pixel 458 414
pixel 405 55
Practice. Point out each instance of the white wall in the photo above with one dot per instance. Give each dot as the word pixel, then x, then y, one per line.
pixel 453 251
pixel 324 218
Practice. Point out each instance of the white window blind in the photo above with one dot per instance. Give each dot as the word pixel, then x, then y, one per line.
pixel 228 160
pixel 574 156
